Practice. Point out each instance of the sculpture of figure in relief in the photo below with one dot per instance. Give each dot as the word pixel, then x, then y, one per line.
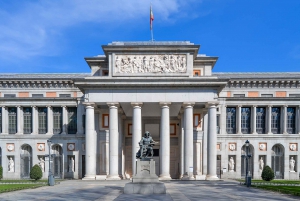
pixel 231 164
pixel 11 165
pixel 261 163
pixel 71 165
pixel 42 164
pixel 151 62
pixel 292 164
pixel 118 65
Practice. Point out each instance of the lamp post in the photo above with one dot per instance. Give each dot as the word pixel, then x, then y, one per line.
pixel 247 156
pixel 50 175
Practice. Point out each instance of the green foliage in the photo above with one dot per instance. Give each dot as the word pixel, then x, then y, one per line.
pixel 36 172
pixel 1 172
pixel 267 173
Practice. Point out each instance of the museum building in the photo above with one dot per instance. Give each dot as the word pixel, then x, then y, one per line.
pixel 199 119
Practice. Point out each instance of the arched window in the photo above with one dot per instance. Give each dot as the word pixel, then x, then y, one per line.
pixel 57 164
pixel 26 161
pixel 250 160
pixel 278 161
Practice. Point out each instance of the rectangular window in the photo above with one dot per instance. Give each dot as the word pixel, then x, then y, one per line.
pixel 291 125
pixel 275 120
pixel 238 95
pixel 9 95
pixel 246 120
pixel 261 120
pixel 12 120
pixel 83 123
pixel 37 95
pixel 64 95
pixel 218 124
pixel 57 120
pixel 72 120
pixel 0 120
pixel 42 114
pixel 231 120
pixel 294 95
pixel 105 121
pixel 267 95
pixel 27 120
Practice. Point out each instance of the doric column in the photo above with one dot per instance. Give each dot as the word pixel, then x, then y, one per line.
pixel 269 117
pixel 181 117
pixel 90 143
pixel 165 142
pixel 204 142
pixel 254 119
pixel 19 120
pixel 50 120
pixel 64 120
pixel 212 142
pixel 113 142
pixel 188 141
pixel 35 120
pixel 298 120
pixel 4 120
pixel 284 113
pixel 121 157
pixel 239 119
pixel 136 132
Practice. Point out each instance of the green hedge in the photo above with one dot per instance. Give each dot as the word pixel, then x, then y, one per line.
pixel 267 173
pixel 36 172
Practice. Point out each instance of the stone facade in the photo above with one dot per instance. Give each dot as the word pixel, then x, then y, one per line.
pixel 200 119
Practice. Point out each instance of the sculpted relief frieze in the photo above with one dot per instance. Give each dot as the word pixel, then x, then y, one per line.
pixel 145 64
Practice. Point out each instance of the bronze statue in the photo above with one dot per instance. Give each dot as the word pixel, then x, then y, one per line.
pixel 146 144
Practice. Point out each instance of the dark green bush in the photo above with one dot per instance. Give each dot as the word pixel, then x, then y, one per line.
pixel 36 172
pixel 267 173
pixel 1 172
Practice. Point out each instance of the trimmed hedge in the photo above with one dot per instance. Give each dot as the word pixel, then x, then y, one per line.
pixel 36 172
pixel 1 172
pixel 267 173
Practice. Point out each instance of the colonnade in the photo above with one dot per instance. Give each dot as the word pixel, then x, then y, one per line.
pixel 188 139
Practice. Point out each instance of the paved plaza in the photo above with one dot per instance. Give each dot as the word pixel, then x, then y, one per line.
pixel 176 190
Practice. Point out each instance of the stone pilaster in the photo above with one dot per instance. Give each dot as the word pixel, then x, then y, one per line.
pixel 239 119
pixel 165 142
pixel 269 118
pixel 113 142
pixel 19 120
pixel 35 120
pixel 136 132
pixel 284 123
pixel 64 120
pixel 254 119
pixel 212 142
pixel 4 120
pixel 79 118
pixel 50 120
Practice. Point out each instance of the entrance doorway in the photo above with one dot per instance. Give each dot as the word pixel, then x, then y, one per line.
pixel 57 165
pixel 83 166
pixel 26 161
pixel 278 161
pixel 219 166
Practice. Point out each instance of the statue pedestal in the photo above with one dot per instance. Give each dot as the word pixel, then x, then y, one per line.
pixel 145 181
pixel 293 175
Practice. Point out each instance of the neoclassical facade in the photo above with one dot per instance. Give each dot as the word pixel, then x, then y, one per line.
pixel 199 119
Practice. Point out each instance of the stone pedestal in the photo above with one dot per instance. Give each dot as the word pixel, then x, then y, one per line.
pixel 293 175
pixel 145 181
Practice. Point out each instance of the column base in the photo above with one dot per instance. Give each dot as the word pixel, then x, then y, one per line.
pixel 113 177
pixel 270 133
pixel 212 177
pixel 89 177
pixel 188 177
pixel 164 177
pixel 101 177
pixel 63 133
pixel 200 177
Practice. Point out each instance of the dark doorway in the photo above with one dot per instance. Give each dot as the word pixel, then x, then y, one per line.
pixel 83 166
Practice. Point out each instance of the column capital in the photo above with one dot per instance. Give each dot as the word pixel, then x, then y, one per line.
pixel 136 104
pixel 188 104
pixel 89 104
pixel 270 105
pixel 164 104
pixel 240 106
pixel 33 106
pixel 211 104
pixel 254 105
pixel 285 106
pixel 63 106
pixel 113 104
pixel 19 106
pixel 49 106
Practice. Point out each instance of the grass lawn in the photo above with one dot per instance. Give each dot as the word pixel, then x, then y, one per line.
pixel 15 187
pixel 292 190
pixel 273 181
pixel 27 181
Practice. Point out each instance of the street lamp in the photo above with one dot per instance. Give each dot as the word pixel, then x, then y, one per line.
pixel 50 175
pixel 247 156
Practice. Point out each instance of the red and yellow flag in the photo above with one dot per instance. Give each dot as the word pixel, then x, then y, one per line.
pixel 151 17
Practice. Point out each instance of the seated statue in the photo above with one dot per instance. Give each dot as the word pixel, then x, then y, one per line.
pixel 146 145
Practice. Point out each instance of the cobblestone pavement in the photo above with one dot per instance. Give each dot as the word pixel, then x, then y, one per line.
pixel 176 190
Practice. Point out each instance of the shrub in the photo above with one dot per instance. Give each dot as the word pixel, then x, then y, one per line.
pixel 36 172
pixel 1 172
pixel 267 173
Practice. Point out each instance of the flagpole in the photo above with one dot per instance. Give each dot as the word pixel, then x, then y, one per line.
pixel 152 34
pixel 151 20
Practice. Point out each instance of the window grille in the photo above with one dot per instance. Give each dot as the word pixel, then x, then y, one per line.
pixel 9 95
pixel 26 161
pixel 42 113
pixel 278 161
pixel 291 125
pixel 238 95
pixel 260 120
pixel 294 95
pixel 72 120
pixel 267 95
pixel 37 95
pixel 0 119
pixel 245 120
pixel 27 114
pixel 57 120
pixel 12 120
pixel 218 124
pixel 64 95
pixel 275 120
pixel 231 120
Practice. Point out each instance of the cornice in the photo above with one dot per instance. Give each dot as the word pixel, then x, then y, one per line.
pixel 36 84
pixel 238 84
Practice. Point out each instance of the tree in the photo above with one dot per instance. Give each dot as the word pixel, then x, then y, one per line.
pixel 1 172
pixel 267 173
pixel 36 172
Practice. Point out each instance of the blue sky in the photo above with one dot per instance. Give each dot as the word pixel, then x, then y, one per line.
pixel 55 35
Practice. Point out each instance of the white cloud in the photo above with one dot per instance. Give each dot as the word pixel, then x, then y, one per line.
pixel 36 28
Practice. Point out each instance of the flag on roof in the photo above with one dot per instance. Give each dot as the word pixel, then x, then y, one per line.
pixel 151 17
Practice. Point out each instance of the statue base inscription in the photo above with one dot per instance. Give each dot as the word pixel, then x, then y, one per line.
pixel 145 181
